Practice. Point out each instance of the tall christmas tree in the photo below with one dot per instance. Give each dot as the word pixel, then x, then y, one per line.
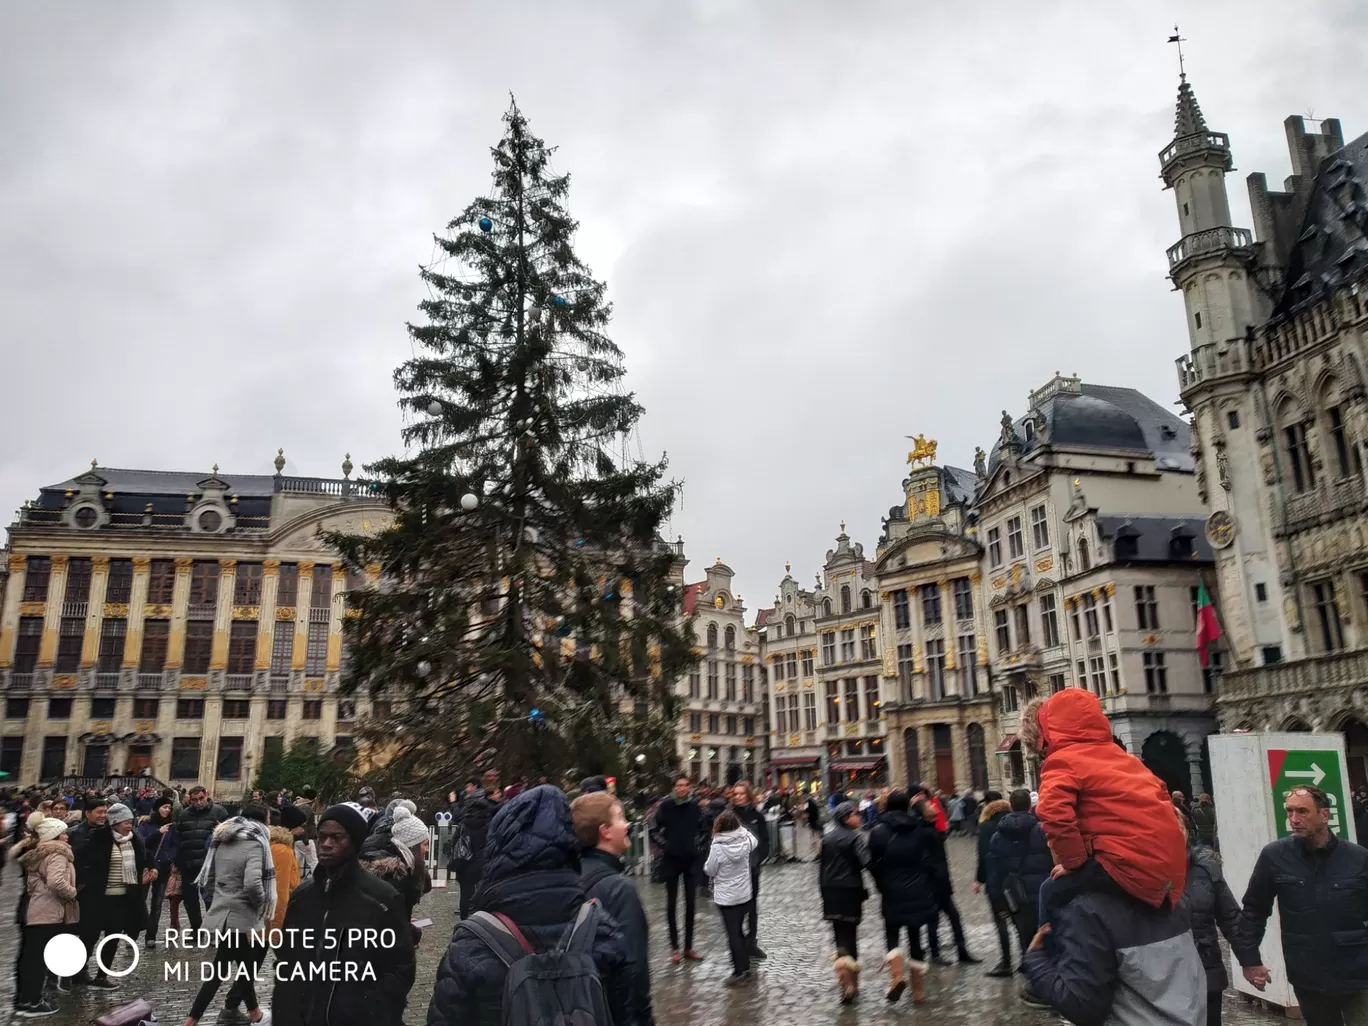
pixel 527 598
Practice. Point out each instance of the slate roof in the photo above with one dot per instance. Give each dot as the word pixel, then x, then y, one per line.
pixel 959 484
pixel 1332 246
pixel 762 616
pixel 1153 535
pixel 1109 417
pixel 172 482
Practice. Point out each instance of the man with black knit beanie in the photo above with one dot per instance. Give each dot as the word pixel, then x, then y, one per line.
pixel 333 978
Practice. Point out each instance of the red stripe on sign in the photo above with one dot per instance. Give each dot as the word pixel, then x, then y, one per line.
pixel 1276 758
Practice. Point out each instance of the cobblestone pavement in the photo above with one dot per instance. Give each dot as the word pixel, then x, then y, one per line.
pixel 793 987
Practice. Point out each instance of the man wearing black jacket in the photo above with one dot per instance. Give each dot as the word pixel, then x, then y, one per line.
pixel 332 975
pixel 475 817
pixel 743 804
pixel 194 830
pixel 1321 886
pixel 602 832
pixel 678 824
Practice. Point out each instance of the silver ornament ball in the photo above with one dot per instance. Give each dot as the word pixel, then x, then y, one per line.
pixel 469 501
pixel 423 668
pixel 434 408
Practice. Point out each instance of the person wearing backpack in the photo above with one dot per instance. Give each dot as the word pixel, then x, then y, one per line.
pixel 535 949
pixel 602 831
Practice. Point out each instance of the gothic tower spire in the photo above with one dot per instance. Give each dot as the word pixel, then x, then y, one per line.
pixel 1188 120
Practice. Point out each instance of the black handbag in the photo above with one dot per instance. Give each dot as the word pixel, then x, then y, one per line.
pixel 1014 893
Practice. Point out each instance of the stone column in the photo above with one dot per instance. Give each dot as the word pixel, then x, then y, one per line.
pixel 223 614
pixel 338 612
pixel 180 604
pixel 303 600
pixel 270 588
pixel 137 603
pixel 99 580
pixel 948 636
pixel 9 616
pixel 52 622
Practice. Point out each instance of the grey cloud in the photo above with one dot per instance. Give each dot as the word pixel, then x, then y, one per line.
pixel 823 226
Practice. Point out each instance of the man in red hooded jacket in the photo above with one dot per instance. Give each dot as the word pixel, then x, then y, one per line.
pixel 1102 810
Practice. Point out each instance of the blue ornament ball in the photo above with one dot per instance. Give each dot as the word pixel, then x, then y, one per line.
pixel 486 225
pixel 559 300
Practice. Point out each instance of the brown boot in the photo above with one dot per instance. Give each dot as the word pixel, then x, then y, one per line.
pixel 845 967
pixel 896 964
pixel 916 975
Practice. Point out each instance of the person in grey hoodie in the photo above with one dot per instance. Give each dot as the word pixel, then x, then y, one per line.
pixel 238 884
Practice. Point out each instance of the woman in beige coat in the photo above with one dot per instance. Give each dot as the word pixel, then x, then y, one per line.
pixel 50 907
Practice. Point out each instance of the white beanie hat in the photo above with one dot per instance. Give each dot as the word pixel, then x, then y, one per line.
pixel 408 830
pixel 120 813
pixel 46 828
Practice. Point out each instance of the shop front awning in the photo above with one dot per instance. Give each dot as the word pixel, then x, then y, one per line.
pixel 1009 742
pixel 858 763
pixel 789 761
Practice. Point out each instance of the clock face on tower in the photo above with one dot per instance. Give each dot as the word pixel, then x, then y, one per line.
pixel 1220 529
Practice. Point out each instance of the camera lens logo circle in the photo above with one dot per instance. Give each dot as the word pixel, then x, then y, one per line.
pixel 65 955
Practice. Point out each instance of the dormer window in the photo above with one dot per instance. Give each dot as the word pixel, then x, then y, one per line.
pixel 1180 546
pixel 1030 431
pixel 210 521
pixel 1127 547
pixel 86 517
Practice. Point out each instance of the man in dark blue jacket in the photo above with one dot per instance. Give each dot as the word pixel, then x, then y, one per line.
pixel 531 876
pixel 995 810
pixel 1114 959
pixel 602 831
pixel 1321 885
pixel 1019 862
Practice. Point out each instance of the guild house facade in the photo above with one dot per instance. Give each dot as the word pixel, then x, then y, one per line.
pixel 177 625
pixel 1277 324
pixel 940 707
pixel 1093 553
pixel 722 737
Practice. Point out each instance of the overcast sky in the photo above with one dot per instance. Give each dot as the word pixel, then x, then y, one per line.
pixel 824 225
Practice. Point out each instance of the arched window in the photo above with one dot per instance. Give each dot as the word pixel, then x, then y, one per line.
pixel 712 635
pixel 1084 563
pixel 866 599
pixel 826 607
pixel 1297 445
pixel 789 626
pixel 978 759
pixel 729 638
pixel 1342 448
pixel 845 598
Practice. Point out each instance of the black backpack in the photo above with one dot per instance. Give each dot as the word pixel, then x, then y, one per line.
pixel 547 988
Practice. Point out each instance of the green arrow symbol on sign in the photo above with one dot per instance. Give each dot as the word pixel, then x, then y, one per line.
pixel 1315 774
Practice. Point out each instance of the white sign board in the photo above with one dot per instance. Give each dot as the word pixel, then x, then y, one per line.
pixel 1250 777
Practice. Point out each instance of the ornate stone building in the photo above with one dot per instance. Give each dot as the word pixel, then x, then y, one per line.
pixel 798 715
pixel 1089 520
pixel 849 668
pixel 1278 323
pixel 177 624
pixel 940 708
pixel 723 698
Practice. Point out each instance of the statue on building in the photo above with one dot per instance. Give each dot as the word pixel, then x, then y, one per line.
pixel 1223 467
pixel 980 459
pixel 1008 432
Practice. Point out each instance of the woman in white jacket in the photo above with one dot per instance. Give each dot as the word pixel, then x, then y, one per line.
pixel 729 866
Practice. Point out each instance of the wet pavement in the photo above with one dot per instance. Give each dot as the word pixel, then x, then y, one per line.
pixel 794 986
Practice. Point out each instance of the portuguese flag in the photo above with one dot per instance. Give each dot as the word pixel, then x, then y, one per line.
pixel 1208 627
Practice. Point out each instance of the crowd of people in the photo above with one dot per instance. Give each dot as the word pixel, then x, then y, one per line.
pixel 1106 891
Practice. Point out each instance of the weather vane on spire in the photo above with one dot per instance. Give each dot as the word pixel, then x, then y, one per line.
pixel 1176 38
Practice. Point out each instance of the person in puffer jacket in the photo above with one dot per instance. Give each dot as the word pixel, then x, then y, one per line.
pixel 1214 908
pixel 1019 860
pixel 50 873
pixel 402 860
pixel 729 865
pixel 532 876
pixel 1104 813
